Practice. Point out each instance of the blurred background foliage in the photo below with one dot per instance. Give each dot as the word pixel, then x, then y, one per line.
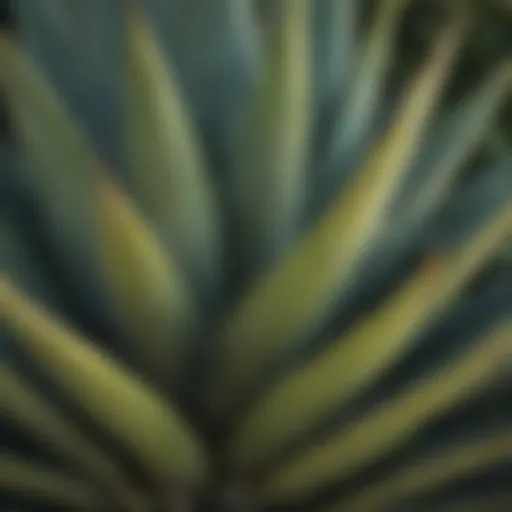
pixel 491 39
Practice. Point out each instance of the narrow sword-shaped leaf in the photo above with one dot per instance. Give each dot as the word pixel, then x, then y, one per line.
pixel 270 144
pixel 426 475
pixel 393 423
pixel 167 167
pixel 306 396
pixel 357 112
pixel 71 182
pixel 491 188
pixel 296 295
pixel 78 46
pixel 115 397
pixel 29 479
pixel 149 294
pixel 32 413
pixel 335 45
pixel 59 160
pixel 215 49
pixel 453 142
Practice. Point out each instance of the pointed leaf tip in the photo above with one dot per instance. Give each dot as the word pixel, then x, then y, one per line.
pixel 168 171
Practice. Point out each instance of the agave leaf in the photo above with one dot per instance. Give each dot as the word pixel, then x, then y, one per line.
pixel 166 163
pixel 111 394
pixel 306 396
pixel 357 113
pixel 63 171
pixel 335 48
pixel 77 44
pixel 455 221
pixel 473 313
pixel 148 291
pixel 453 142
pixel 270 147
pixel 60 163
pixel 31 412
pixel 215 48
pixel 393 422
pixel 33 480
pixel 436 471
pixel 296 295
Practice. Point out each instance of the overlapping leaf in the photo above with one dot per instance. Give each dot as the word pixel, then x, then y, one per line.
pixel 437 470
pixel 78 46
pixel 295 295
pixel 166 162
pixel 32 413
pixel 306 396
pixel 111 394
pixel 392 423
pixel 104 242
pixel 271 143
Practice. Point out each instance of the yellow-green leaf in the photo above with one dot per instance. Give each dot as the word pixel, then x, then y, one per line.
pixel 305 397
pixel 367 85
pixel 148 292
pixel 429 474
pixel 393 422
pixel 453 142
pixel 271 142
pixel 294 296
pixel 59 159
pixel 166 162
pixel 32 413
pixel 114 397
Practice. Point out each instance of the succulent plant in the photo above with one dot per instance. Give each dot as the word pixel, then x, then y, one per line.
pixel 254 257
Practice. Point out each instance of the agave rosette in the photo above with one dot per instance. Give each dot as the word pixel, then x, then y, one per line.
pixel 242 266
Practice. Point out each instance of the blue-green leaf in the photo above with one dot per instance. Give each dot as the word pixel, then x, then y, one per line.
pixel 77 44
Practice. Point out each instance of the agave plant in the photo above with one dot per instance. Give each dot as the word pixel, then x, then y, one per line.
pixel 247 265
